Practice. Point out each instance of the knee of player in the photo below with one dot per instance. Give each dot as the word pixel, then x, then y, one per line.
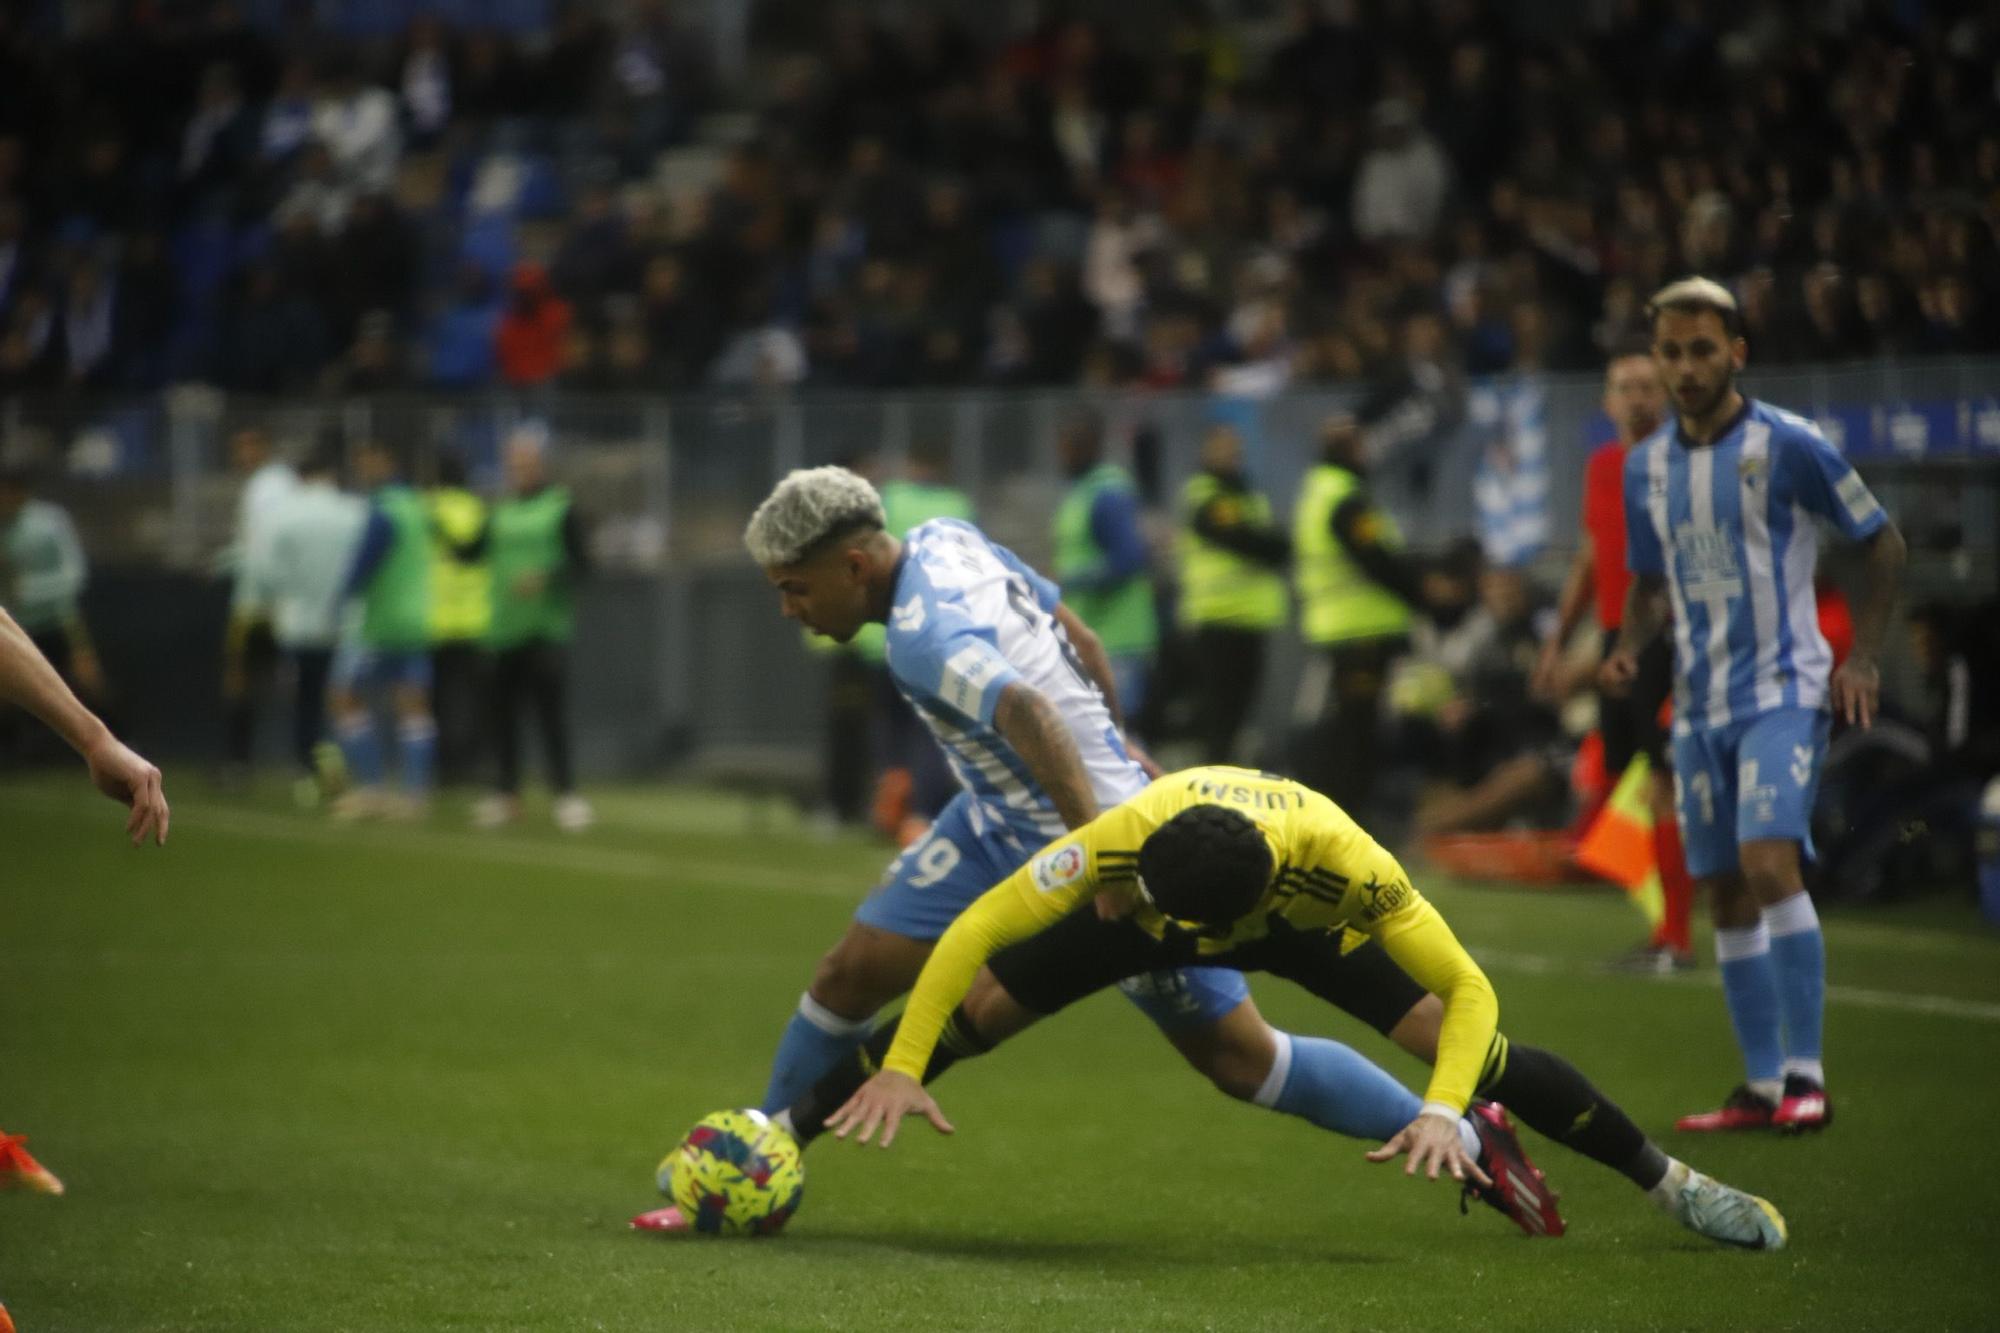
pixel 1771 869
pixel 846 982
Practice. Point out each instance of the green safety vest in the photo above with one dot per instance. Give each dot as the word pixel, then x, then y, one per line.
pixel 1123 614
pixel 1218 586
pixel 396 609
pixel 527 538
pixel 1337 601
pixel 461 590
pixel 904 505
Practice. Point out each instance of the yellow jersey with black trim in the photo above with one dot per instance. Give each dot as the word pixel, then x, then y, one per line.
pixel 1327 874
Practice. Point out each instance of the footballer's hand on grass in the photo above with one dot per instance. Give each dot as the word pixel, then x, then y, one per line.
pixel 1620 669
pixel 882 1102
pixel 124 776
pixel 1432 1142
pixel 1857 689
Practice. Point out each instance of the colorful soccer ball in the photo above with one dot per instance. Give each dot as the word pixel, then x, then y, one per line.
pixel 735 1174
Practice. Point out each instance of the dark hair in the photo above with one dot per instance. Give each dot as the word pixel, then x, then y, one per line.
pixel 1692 296
pixel 1208 865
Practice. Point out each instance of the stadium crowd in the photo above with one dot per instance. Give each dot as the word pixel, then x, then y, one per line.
pixel 1381 193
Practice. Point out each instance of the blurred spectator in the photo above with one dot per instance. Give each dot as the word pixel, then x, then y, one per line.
pixel 375 362
pixel 459 345
pixel 219 142
pixel 1400 191
pixel 288 118
pixel 276 341
pixel 425 82
pixel 1492 750
pixel 89 325
pixel 357 125
pixel 528 342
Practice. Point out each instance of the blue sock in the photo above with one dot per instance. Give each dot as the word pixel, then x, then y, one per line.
pixel 362 749
pixel 814 1042
pixel 1750 984
pixel 1798 951
pixel 1336 1088
pixel 419 740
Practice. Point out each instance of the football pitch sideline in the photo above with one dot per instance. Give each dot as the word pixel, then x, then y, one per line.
pixel 411 1077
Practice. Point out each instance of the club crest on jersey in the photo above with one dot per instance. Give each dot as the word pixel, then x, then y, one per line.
pixel 1062 866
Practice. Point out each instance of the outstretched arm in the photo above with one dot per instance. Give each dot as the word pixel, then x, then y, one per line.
pixel 27 679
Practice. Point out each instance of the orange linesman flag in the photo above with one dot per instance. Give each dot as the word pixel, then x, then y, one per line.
pixel 1619 843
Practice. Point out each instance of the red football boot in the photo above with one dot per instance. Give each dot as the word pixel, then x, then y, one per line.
pixel 1519 1188
pixel 669 1218
pixel 1741 1109
pixel 17 1167
pixel 1805 1106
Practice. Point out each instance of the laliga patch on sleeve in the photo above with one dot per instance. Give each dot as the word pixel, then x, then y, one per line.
pixel 1062 866
pixel 967 673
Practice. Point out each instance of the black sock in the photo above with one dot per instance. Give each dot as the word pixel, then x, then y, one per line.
pixel 1553 1098
pixel 959 1041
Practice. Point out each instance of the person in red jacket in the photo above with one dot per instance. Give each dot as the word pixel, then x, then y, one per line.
pixel 1636 401
pixel 528 344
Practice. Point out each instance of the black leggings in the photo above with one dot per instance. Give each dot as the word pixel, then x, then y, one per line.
pixel 532 674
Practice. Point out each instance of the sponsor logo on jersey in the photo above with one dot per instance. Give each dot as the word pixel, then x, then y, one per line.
pixel 967 673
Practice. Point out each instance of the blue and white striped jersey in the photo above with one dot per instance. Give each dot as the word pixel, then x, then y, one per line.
pixel 1730 527
pixel 966 620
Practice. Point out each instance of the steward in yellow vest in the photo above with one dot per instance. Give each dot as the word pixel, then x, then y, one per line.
pixel 1356 587
pixel 461 609
pixel 1232 590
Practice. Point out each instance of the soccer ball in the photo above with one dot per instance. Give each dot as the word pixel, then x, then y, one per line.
pixel 735 1174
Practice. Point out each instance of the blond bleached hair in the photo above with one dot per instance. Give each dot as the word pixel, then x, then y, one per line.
pixel 1695 294
pixel 807 508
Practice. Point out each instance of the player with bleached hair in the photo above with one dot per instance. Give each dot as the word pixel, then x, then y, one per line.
pixel 1018 693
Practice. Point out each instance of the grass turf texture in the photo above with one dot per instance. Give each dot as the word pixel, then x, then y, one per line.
pixel 414 1078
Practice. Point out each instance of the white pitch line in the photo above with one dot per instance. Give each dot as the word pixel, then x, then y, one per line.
pixel 1859 997
pixel 504 851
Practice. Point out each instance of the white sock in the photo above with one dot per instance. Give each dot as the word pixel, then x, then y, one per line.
pixel 1667 1193
pixel 1468 1137
pixel 783 1120
pixel 1811 1069
pixel 1771 1090
pixel 1792 916
pixel 1734 942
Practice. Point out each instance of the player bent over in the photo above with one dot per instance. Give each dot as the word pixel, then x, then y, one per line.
pixel 1245 870
pixel 1017 692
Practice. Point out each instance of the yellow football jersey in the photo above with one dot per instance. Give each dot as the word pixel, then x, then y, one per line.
pixel 1328 873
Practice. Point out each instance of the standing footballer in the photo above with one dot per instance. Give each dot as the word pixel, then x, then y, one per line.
pixel 1720 504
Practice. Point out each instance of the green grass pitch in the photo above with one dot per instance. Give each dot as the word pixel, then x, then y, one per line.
pixel 414 1078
